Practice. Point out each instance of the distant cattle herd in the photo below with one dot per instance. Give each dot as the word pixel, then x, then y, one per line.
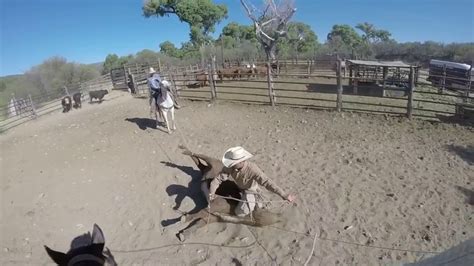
pixel 76 101
pixel 232 73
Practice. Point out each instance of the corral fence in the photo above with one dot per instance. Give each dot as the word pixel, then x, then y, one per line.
pixel 392 88
pixel 326 83
pixel 22 109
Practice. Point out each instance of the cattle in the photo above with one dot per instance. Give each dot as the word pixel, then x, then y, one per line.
pixel 230 73
pixel 99 94
pixel 66 102
pixel 77 100
pixel 259 71
pixel 202 79
pixel 246 71
pixel 86 249
pixel 222 210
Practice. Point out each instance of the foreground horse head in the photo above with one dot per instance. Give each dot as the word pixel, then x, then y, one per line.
pixel 92 253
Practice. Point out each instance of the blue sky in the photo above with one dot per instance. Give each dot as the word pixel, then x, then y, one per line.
pixel 86 31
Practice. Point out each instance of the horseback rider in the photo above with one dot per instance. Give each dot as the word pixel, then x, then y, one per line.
pixel 155 83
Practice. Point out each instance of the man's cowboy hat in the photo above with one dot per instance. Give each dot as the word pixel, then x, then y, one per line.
pixel 235 155
pixel 151 70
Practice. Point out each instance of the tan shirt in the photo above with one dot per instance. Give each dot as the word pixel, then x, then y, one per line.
pixel 248 178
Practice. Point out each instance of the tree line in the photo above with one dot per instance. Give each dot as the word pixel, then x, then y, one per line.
pixel 236 41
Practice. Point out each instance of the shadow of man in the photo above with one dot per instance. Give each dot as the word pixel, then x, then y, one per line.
pixel 192 190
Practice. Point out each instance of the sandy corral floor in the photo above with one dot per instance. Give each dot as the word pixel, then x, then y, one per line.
pixel 373 180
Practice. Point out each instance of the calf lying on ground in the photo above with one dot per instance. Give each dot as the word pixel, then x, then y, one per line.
pixel 90 254
pixel 77 100
pixel 97 95
pixel 222 210
pixel 66 103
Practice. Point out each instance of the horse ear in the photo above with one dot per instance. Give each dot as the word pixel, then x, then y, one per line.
pixel 58 257
pixel 97 235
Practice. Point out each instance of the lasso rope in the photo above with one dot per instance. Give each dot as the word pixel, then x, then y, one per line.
pixel 182 244
pixel 354 243
pixel 247 201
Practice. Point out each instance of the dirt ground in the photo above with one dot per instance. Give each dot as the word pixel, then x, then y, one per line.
pixel 362 182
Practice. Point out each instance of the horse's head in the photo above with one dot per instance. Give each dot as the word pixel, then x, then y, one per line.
pixel 85 250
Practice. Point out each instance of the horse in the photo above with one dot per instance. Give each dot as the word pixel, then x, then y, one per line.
pixel 162 104
pixel 92 253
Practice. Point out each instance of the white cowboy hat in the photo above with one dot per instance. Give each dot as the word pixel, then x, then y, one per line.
pixel 151 70
pixel 235 155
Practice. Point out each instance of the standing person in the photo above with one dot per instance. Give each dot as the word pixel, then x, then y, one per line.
pixel 154 85
pixel 248 177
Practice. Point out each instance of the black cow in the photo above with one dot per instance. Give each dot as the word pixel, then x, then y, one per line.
pixel 77 100
pixel 66 102
pixel 99 94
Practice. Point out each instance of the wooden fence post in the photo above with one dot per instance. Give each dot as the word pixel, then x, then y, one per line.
pixel 468 85
pixel 278 68
pixel 350 74
pixel 355 84
pixel 133 84
pixel 339 85
pixel 211 82
pixel 411 89
pixel 214 74
pixel 443 81
pixel 125 78
pixel 33 109
pixel 308 68
pixel 271 92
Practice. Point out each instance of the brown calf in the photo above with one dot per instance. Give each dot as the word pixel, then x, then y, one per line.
pixel 221 210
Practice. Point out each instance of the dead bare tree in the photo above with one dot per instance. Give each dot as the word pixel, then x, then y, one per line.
pixel 270 23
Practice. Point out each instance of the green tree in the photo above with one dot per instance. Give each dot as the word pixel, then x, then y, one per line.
pixel 55 73
pixel 200 15
pixel 239 32
pixel 345 35
pixel 111 61
pixel 146 56
pixel 372 34
pixel 300 39
pixel 169 49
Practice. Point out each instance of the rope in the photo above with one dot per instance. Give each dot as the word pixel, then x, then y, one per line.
pixel 312 251
pixel 182 244
pixel 246 201
pixel 256 241
pixel 354 243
